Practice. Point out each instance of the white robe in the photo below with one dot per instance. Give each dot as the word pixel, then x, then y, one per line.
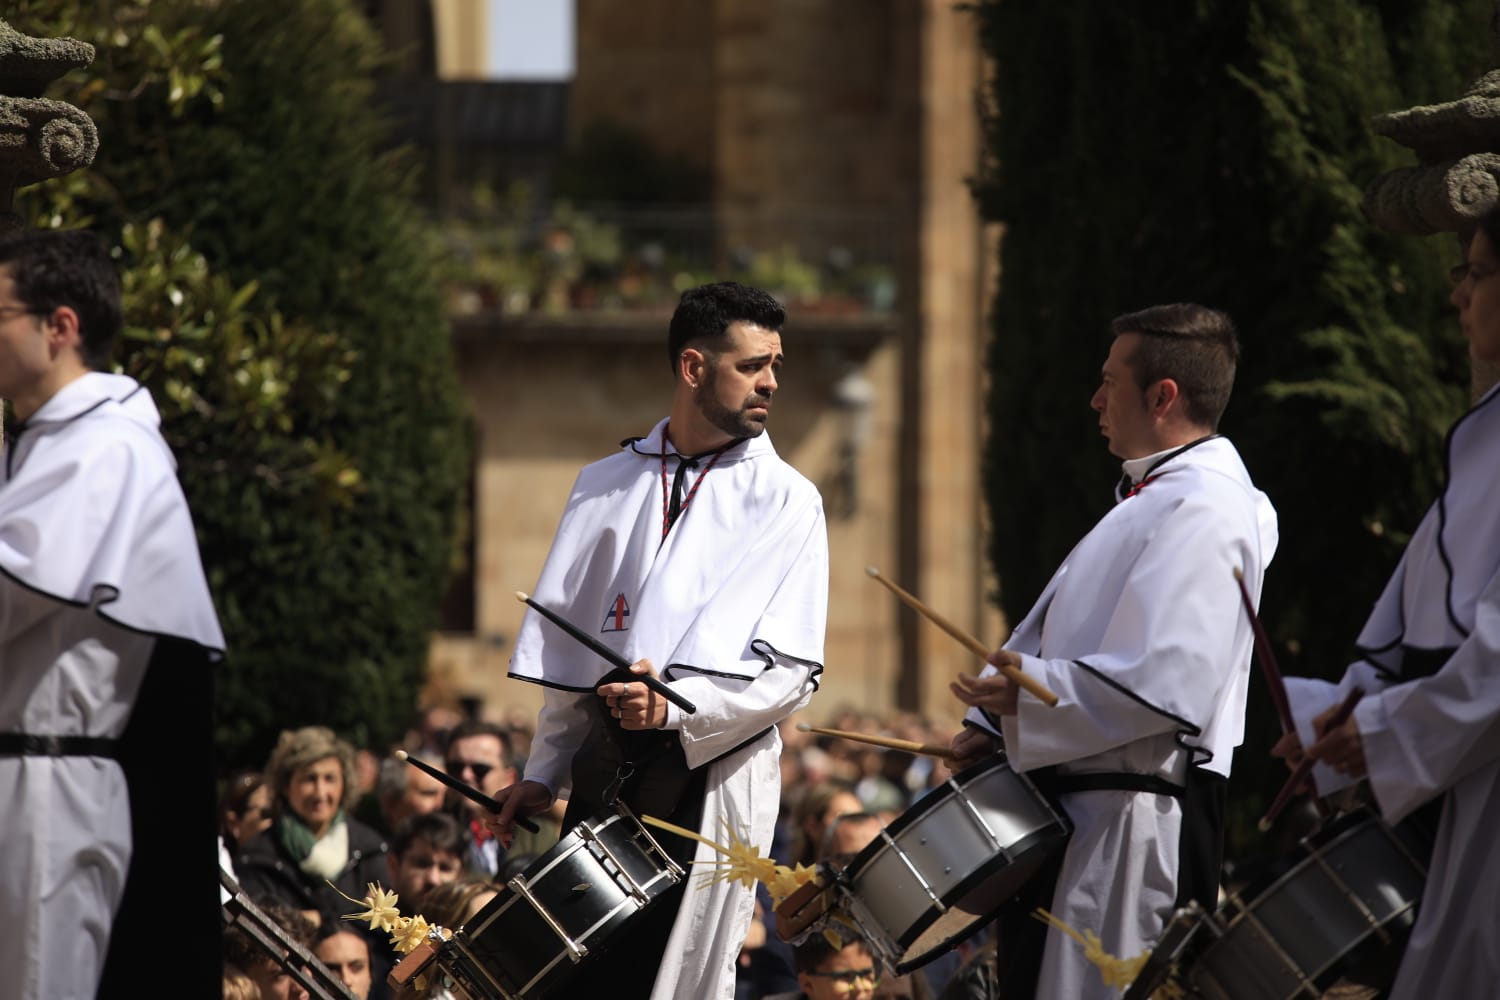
pixel 97 559
pixel 1439 735
pixel 731 609
pixel 1142 636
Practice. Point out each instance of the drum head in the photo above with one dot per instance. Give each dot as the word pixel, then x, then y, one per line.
pixel 948 863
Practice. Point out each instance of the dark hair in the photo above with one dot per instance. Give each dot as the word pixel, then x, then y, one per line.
pixel 244 950
pixel 235 795
pixel 52 268
pixel 846 819
pixel 1192 345
pixel 333 928
pixel 817 949
pixel 705 312
pixel 479 727
pixel 441 831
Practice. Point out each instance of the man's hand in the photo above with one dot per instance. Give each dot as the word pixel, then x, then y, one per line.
pixel 1341 747
pixel 1289 749
pixel 970 745
pixel 634 704
pixel 996 694
pixel 524 798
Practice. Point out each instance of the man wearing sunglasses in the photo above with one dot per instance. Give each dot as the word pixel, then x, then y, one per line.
pixel 478 754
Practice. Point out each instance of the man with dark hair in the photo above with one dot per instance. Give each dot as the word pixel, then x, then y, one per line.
pixel 426 851
pixel 695 548
pixel 1142 636
pixel 482 754
pixel 99 579
pixel 346 953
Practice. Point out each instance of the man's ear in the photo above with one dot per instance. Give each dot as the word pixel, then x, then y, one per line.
pixel 1162 396
pixel 690 366
pixel 62 330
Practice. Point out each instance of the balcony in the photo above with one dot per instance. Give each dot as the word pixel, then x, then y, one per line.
pixel 512 260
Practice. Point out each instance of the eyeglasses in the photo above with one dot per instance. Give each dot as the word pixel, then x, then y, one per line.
pixel 848 977
pixel 456 769
pixel 7 311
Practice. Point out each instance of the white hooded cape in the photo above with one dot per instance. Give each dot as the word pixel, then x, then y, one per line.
pixel 97 559
pixel 730 607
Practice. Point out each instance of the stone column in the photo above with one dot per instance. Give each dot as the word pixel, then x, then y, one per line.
pixel 39 138
pixel 1457 177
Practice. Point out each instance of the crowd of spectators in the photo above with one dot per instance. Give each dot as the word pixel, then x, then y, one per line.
pixel 323 819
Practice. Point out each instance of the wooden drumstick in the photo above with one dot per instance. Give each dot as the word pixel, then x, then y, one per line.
pixel 463 788
pixel 889 742
pixel 1301 771
pixel 1274 682
pixel 606 653
pixel 974 645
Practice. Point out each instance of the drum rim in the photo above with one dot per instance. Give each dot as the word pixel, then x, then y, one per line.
pixel 932 800
pixel 1031 850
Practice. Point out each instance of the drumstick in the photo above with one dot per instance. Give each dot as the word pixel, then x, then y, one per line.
pixel 1345 709
pixel 974 645
pixel 1267 661
pixel 889 742
pixel 608 654
pixel 463 788
pixel 1266 658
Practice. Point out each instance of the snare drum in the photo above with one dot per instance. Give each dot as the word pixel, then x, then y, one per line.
pixel 1357 889
pixel 561 911
pixel 949 862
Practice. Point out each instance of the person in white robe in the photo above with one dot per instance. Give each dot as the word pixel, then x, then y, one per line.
pixel 1428 726
pixel 698 554
pixel 99 571
pixel 1142 636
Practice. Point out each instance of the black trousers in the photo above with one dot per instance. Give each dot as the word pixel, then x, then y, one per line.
pixel 659 784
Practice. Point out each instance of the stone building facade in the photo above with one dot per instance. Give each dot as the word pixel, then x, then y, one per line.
pixel 820 124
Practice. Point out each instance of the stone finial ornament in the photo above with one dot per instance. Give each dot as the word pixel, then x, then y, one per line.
pixel 1457 144
pixel 39 138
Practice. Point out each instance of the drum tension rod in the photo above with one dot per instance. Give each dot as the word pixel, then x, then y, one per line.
pixel 635 888
pixel 576 951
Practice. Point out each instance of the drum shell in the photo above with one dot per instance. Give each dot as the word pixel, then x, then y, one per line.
pixel 1360 886
pixel 508 949
pixel 949 862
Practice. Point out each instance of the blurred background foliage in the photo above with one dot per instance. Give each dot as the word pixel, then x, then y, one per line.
pixel 283 303
pixel 1186 150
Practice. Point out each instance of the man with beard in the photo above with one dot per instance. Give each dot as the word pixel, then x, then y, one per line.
pixel 701 557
